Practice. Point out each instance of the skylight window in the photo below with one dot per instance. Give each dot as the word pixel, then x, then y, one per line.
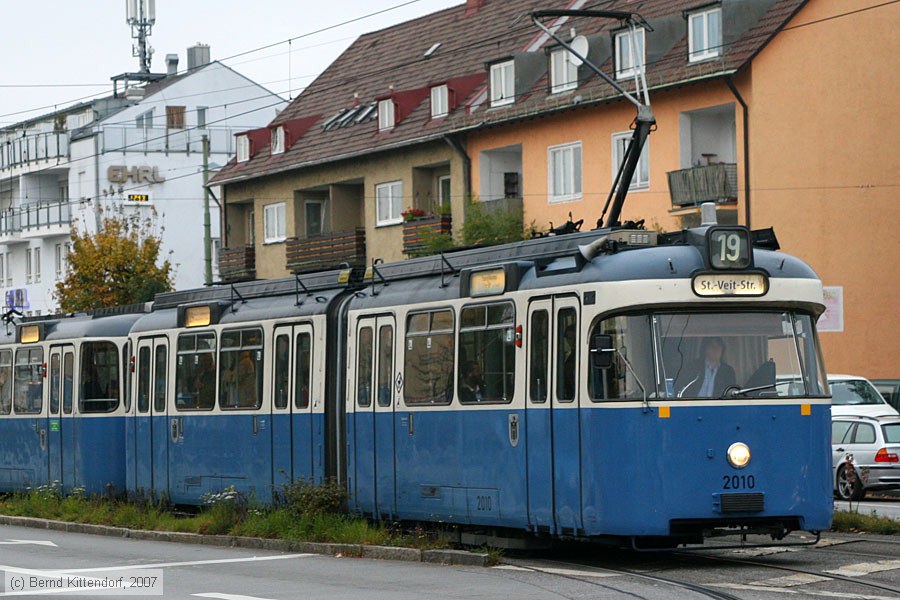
pixel 432 50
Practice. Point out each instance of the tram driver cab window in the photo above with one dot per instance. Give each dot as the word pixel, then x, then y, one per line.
pixel 630 373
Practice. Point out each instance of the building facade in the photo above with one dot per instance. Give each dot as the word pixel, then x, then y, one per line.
pixel 140 152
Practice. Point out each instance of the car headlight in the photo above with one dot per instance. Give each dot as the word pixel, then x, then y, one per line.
pixel 738 455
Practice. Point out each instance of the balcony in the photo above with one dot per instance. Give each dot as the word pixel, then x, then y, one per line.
pixel 711 183
pixel 10 226
pixel 237 264
pixel 142 140
pixel 45 219
pixel 327 251
pixel 32 148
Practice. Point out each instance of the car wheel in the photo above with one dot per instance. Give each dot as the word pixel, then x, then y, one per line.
pixel 847 490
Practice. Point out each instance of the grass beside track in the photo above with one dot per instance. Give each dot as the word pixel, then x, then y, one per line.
pixel 301 513
pixel 852 522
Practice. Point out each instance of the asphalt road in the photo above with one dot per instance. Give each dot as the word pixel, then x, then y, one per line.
pixel 883 507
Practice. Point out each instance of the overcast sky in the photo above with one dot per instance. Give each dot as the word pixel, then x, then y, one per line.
pixel 73 42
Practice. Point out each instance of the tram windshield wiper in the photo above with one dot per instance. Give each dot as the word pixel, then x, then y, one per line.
pixel 734 391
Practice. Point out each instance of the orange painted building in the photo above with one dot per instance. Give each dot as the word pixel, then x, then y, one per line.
pixel 821 99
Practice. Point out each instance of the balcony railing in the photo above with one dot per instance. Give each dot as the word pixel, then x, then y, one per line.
pixel 327 251
pixel 40 146
pixel 237 264
pixel 712 183
pixel 33 218
pixel 160 139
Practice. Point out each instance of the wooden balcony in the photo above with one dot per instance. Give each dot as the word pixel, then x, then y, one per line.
pixel 419 233
pixel 711 183
pixel 326 251
pixel 237 264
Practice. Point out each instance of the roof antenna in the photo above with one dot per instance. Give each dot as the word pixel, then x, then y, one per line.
pixel 643 122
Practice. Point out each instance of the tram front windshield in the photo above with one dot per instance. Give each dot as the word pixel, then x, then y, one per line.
pixel 710 355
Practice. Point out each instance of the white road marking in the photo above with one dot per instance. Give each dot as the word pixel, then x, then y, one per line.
pixel 511 568
pixel 227 596
pixel 866 568
pixel 9 542
pixel 750 587
pixel 791 580
pixel 559 571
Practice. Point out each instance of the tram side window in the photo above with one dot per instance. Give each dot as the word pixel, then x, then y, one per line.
pixel 5 381
pixel 195 371
pixel 126 391
pixel 143 369
pixel 364 367
pixel 159 380
pixel 240 382
pixel 539 350
pixel 68 381
pixel 631 339
pixel 282 369
pixel 385 364
pixel 99 377
pixel 54 384
pixel 487 354
pixel 29 381
pixel 303 370
pixel 566 354
pixel 428 364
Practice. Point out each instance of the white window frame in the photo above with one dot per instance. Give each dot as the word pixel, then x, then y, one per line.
pixel 639 181
pixel 706 48
pixel 386 114
pixel 568 185
pixel 563 72
pixel 28 265
pixel 242 148
pixel 9 274
pixel 278 140
pixel 274 223
pixel 202 112
pixel 392 193
pixel 624 65
pixel 503 76
pixel 2 270
pixel 59 260
pixel 36 260
pixel 440 101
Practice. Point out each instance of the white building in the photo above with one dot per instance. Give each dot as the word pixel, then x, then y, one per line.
pixel 143 151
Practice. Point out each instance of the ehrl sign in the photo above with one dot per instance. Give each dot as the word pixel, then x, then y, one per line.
pixel 121 174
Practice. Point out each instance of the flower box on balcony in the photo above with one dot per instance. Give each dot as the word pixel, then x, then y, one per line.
pixel 417 233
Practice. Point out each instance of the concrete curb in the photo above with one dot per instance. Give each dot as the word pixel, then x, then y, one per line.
pixel 443 557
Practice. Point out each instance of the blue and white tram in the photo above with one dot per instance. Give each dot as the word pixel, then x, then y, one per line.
pixel 62 403
pixel 564 395
pixel 227 393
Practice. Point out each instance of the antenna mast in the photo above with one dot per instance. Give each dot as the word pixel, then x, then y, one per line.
pixel 141 15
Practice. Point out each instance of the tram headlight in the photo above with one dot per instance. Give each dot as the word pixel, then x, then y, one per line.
pixel 738 455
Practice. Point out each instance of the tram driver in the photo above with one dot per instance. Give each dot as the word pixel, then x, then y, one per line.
pixel 712 375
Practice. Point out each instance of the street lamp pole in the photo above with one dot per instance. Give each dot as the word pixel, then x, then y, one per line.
pixel 207 237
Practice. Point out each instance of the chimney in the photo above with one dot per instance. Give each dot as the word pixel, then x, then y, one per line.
pixel 472 6
pixel 198 56
pixel 171 64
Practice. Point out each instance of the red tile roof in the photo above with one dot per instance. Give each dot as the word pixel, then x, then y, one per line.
pixel 392 63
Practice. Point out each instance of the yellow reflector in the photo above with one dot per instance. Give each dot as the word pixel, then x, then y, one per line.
pixel 487 283
pixel 664 412
pixel 369 274
pixel 805 410
pixel 30 334
pixel 344 276
pixel 196 316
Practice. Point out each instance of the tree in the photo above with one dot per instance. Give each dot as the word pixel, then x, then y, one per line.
pixel 115 266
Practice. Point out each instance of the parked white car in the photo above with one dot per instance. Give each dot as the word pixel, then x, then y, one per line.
pixel 856 396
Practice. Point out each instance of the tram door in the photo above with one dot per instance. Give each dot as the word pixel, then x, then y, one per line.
pixel 151 422
pixel 374 416
pixel 293 436
pixel 552 415
pixel 60 432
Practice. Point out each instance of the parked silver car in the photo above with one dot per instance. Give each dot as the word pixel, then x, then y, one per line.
pixel 871 446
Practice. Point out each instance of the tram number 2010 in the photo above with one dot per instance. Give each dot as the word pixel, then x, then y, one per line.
pixel 738 482
pixel 485 503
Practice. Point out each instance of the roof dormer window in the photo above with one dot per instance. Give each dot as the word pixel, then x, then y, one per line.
pixel 503 83
pixel 705 34
pixel 440 101
pixel 278 140
pixel 563 72
pixel 243 148
pixel 630 55
pixel 385 114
